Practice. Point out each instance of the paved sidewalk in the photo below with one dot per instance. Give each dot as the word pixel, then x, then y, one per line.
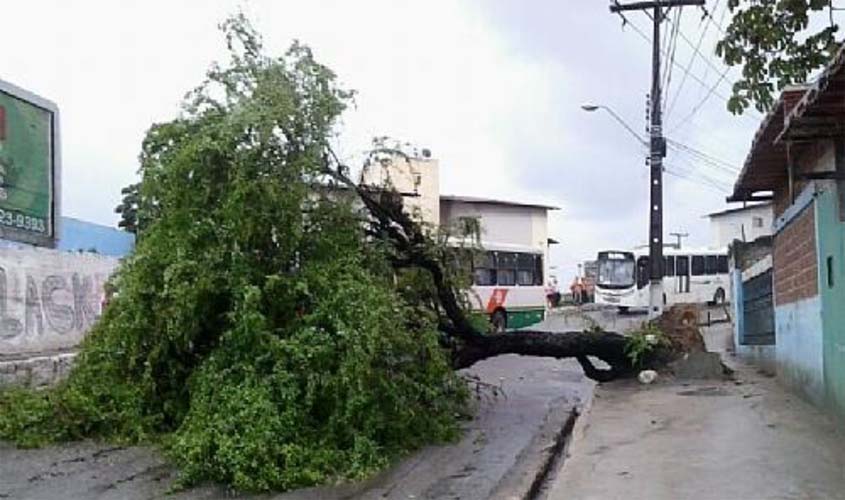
pixel 746 439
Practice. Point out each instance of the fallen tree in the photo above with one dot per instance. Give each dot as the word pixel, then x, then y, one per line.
pixel 413 247
pixel 267 332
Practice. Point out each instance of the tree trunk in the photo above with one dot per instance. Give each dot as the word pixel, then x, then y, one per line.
pixel 414 247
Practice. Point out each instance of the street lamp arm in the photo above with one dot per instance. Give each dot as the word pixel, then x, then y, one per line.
pixel 624 124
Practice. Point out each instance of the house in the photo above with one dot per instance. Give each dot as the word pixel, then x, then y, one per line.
pixel 797 160
pixel 501 223
pixel 745 224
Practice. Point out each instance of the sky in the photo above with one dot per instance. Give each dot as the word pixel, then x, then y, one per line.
pixel 493 88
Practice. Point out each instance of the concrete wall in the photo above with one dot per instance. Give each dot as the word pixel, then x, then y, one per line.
pixel 831 250
pixel 48 302
pixel 743 225
pixel 78 235
pixel 417 178
pixel 800 351
pixel 500 223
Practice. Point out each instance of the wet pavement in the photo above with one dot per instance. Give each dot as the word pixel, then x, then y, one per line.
pixel 746 438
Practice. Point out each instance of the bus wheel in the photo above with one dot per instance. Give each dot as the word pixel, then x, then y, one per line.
pixel 499 321
pixel 719 297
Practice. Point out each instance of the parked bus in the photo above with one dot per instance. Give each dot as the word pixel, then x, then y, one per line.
pixel 508 286
pixel 689 276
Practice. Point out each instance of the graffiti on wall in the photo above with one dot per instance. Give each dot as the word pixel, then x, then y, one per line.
pixel 49 299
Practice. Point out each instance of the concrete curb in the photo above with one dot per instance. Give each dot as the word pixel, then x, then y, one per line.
pixel 537 461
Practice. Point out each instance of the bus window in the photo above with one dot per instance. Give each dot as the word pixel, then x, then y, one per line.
pixel 722 265
pixel 616 270
pixel 710 264
pixel 506 268
pixel 525 269
pixel 538 270
pixel 642 272
pixel 682 266
pixel 697 265
pixel 669 269
pixel 484 269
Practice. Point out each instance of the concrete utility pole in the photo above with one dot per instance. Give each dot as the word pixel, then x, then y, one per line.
pixel 680 236
pixel 657 148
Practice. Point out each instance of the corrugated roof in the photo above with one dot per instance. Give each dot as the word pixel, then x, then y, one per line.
pixel 801 116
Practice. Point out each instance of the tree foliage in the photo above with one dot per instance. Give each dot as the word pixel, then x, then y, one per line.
pixel 258 332
pixel 777 43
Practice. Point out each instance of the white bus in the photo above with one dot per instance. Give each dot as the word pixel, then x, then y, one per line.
pixel 508 286
pixel 689 276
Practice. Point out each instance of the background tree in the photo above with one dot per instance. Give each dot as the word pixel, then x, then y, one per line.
pixel 777 43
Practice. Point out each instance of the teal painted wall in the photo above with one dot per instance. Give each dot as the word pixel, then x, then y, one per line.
pixel 830 237
pixel 800 348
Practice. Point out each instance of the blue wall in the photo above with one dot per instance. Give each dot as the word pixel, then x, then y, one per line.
pixel 78 235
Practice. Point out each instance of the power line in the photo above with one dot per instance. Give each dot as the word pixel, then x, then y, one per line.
pixel 690 74
pixel 701 181
pixel 691 61
pixel 670 63
pixel 714 160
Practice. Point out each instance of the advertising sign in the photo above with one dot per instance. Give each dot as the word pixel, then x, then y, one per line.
pixel 29 167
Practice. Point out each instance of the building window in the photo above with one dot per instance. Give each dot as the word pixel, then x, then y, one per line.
pixel 757 222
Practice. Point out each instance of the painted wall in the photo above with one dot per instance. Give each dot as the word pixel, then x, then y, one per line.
pixel 418 176
pixel 744 225
pixel 800 350
pixel 48 299
pixel 502 224
pixel 831 250
pixel 77 235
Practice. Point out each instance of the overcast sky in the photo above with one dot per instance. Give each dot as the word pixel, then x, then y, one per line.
pixel 492 87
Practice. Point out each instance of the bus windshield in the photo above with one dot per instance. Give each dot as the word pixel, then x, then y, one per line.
pixel 616 269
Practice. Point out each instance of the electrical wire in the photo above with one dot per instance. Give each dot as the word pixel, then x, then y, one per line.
pixel 692 75
pixel 706 157
pixel 690 63
pixel 670 63
pixel 686 177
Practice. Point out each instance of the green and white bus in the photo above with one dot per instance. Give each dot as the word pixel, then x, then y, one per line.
pixel 508 286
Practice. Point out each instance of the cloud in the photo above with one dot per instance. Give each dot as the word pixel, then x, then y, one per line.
pixel 493 88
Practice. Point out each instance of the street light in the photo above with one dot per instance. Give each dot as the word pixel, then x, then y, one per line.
pixel 593 107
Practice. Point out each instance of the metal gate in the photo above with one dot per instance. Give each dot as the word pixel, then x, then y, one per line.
pixel 758 311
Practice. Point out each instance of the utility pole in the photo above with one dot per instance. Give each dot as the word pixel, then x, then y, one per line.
pixel 679 236
pixel 657 147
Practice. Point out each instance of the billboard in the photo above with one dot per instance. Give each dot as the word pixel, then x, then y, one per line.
pixel 29 167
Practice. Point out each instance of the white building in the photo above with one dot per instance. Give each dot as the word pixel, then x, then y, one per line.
pixel 744 224
pixel 502 223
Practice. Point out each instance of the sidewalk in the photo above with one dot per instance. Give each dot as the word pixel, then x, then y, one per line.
pixel 745 439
